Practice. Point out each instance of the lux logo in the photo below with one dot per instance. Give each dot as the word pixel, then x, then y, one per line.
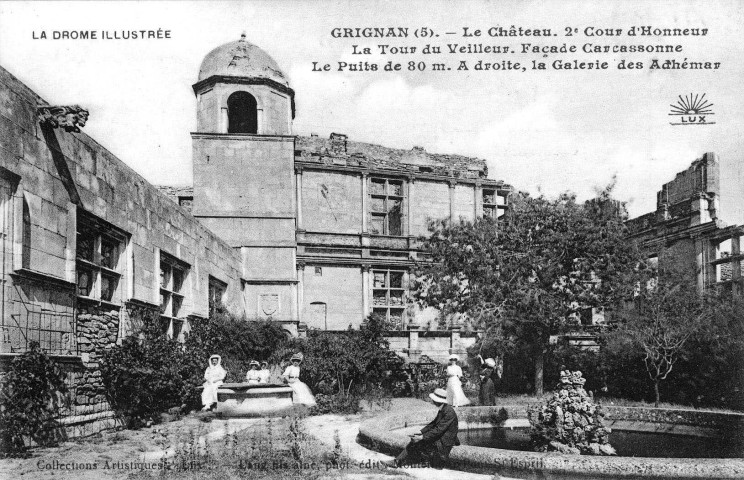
pixel 691 110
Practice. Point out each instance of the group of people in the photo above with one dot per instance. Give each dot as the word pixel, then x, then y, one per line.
pixel 256 376
pixel 489 379
pixel 258 373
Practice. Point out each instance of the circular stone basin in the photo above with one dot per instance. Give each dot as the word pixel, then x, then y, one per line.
pixel 658 428
pixel 627 443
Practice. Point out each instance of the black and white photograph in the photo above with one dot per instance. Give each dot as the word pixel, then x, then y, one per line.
pixel 372 240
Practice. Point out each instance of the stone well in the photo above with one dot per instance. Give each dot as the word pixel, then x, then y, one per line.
pixel 388 433
pixel 251 400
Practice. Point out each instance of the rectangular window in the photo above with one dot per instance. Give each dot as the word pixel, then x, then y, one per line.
pixel 388 295
pixel 723 249
pixel 727 258
pixel 172 275
pixel 494 203
pixel 386 207
pixel 217 290
pixel 99 264
pixel 724 272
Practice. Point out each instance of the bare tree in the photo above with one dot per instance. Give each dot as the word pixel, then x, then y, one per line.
pixel 667 312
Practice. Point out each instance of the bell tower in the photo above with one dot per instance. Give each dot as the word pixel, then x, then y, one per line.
pixel 243 160
pixel 242 90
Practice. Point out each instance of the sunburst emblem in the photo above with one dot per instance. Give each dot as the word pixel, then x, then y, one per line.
pixel 692 105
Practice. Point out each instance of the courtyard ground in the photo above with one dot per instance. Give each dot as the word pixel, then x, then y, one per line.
pixel 203 446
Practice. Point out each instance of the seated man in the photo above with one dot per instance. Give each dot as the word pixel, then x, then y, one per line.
pixel 437 438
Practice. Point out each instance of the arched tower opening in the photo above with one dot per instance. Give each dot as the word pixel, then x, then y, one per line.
pixel 242 113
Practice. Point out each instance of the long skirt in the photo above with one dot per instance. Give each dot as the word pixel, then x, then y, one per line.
pixel 209 395
pixel 487 392
pixel 301 394
pixel 455 396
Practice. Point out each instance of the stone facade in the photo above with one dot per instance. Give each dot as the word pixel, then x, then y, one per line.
pixel 84 241
pixel 687 229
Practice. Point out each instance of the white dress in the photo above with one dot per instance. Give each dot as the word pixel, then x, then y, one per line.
pixel 455 396
pixel 253 377
pixel 301 392
pixel 264 375
pixel 214 375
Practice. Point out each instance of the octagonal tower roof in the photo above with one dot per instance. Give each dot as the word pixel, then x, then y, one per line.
pixel 241 59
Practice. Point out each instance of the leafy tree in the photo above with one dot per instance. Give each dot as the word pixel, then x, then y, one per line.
pixel 529 277
pixel 32 393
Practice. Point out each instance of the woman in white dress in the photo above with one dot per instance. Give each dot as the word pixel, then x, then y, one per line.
pixel 213 376
pixel 301 392
pixel 264 374
pixel 253 377
pixel 455 396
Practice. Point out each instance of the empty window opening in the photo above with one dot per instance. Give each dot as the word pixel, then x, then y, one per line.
pixel 494 204
pixel 386 207
pixel 242 113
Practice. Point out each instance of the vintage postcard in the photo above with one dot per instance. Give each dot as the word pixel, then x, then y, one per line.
pixel 254 239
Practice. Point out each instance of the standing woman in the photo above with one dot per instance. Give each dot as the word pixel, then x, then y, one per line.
pixel 253 377
pixel 214 375
pixel 301 392
pixel 488 378
pixel 455 396
pixel 264 374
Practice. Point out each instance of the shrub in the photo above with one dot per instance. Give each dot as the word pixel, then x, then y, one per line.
pixel 144 376
pixel 31 396
pixel 346 364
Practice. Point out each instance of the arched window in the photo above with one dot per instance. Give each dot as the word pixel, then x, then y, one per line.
pixel 242 113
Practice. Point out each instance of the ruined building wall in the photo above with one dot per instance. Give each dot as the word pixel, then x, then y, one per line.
pixel 686 231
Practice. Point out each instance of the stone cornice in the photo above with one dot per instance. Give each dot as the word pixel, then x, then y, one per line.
pixel 407 175
pixel 242 136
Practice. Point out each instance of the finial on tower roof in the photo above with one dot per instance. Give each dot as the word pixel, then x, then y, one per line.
pixel 242 37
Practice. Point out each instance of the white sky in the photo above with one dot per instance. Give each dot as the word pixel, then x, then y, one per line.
pixel 550 130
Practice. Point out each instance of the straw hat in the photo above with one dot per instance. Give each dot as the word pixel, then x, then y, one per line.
pixel 297 356
pixel 253 362
pixel 439 395
pixel 490 362
pixel 454 357
pixel 264 363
